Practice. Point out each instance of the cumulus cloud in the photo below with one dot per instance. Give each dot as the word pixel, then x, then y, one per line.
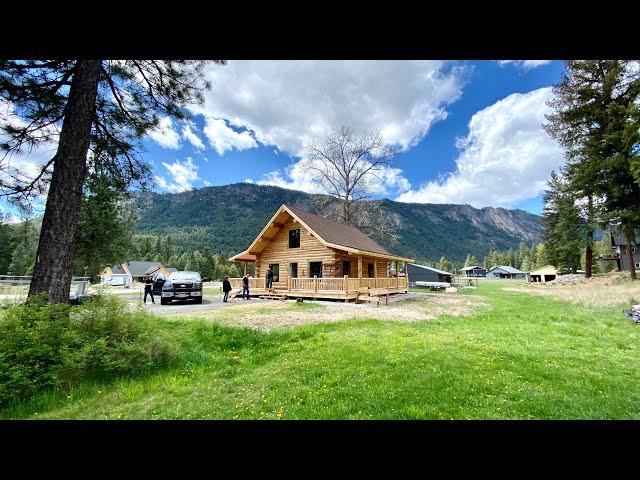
pixel 190 136
pixel 281 103
pixel 297 176
pixel 165 135
pixel 284 103
pixel 182 174
pixel 223 138
pixel 506 157
pixel 524 64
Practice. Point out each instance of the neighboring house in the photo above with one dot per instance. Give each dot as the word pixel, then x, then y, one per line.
pixel 473 271
pixel 136 269
pixel 310 256
pixel 619 253
pixel 422 273
pixel 506 271
pixel 543 274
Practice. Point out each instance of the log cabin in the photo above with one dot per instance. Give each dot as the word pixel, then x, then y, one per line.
pixel 314 257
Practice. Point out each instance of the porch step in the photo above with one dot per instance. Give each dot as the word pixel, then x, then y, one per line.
pixel 372 298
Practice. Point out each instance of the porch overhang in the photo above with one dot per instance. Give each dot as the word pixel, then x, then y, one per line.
pixel 243 257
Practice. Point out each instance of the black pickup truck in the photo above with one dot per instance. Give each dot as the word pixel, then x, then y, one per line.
pixel 182 286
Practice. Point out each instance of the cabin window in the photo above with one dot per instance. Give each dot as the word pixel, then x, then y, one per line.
pixel 346 268
pixel 293 270
pixel 294 238
pixel 370 270
pixel 275 268
pixel 315 269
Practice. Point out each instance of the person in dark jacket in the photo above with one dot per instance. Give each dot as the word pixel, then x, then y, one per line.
pixel 245 286
pixel 148 289
pixel 226 288
pixel 269 277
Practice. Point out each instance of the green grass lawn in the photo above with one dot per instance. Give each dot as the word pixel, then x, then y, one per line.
pixel 522 357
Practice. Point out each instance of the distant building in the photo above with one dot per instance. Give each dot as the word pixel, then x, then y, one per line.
pixel 506 271
pixel 136 270
pixel 619 253
pixel 543 274
pixel 473 271
pixel 422 273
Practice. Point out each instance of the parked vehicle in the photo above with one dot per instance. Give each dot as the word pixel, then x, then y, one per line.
pixel 79 291
pixel 158 282
pixel 182 286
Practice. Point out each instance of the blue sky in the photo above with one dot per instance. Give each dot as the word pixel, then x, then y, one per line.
pixel 468 132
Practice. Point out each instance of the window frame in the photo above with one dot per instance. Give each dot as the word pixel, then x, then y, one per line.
pixel 294 230
pixel 276 271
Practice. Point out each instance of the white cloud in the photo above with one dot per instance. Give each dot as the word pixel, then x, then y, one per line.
pixel 506 157
pixel 223 138
pixel 207 183
pixel 188 134
pixel 524 64
pixel 182 174
pixel 283 102
pixel 298 177
pixel 165 135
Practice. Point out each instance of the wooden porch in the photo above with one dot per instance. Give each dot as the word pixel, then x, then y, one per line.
pixel 339 288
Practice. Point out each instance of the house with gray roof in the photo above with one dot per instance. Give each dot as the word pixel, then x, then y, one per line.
pixel 619 253
pixel 473 271
pixel 506 271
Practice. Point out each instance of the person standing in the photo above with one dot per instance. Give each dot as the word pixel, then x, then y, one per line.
pixel 226 288
pixel 148 289
pixel 269 278
pixel 245 286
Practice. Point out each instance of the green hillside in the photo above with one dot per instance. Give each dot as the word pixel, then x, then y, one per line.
pixel 227 219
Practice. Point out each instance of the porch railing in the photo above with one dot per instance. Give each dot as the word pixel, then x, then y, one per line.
pixel 326 283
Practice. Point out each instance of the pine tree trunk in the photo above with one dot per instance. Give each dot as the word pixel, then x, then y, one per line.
pixel 588 256
pixel 632 262
pixel 53 267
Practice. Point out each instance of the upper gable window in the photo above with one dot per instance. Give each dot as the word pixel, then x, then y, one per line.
pixel 294 238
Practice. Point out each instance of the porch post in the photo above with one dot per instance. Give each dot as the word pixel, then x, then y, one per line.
pixel 245 268
pixel 375 272
pixel 344 286
pixel 360 271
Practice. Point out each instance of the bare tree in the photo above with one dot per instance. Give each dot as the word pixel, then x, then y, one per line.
pixel 348 165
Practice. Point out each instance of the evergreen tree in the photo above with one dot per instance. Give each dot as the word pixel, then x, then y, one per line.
pixel 597 120
pixel 564 227
pixel 88 105
pixel 444 265
pixel 104 228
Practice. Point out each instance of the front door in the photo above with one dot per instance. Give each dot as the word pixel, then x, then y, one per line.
pixel 346 268
pixel 315 269
pixel 294 270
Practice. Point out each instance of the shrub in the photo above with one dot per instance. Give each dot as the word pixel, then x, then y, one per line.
pixel 54 346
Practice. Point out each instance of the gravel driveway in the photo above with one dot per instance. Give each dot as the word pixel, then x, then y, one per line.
pixel 184 307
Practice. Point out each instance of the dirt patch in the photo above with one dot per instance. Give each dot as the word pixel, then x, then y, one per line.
pixel 602 291
pixel 414 308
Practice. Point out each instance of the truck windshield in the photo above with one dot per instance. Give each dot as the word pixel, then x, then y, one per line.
pixel 181 276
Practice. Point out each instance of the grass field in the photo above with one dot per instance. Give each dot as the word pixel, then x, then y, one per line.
pixel 518 356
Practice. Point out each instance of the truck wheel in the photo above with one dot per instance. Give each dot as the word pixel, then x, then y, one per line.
pixel 199 300
pixel 165 301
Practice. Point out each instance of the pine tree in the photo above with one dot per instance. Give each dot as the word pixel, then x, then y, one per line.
pixel 97 111
pixel 444 264
pixel 597 120
pixel 563 234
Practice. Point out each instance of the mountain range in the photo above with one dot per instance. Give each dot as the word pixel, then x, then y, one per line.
pixel 228 218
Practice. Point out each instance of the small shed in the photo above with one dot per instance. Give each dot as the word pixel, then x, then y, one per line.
pixel 506 271
pixel 473 271
pixel 543 274
pixel 422 273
